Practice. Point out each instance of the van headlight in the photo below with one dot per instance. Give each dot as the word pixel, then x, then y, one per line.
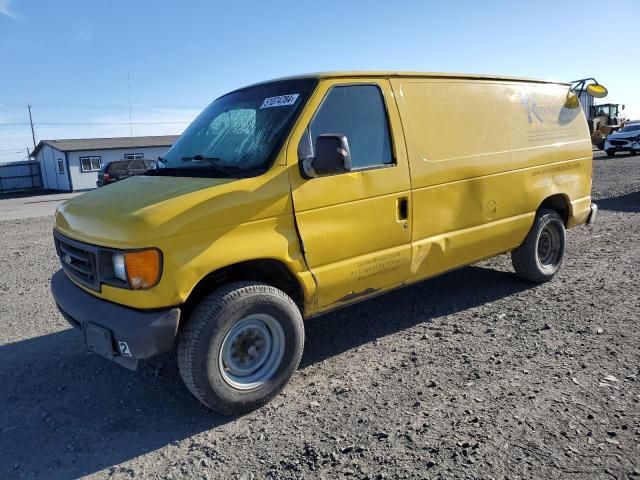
pixel 140 269
pixel 119 270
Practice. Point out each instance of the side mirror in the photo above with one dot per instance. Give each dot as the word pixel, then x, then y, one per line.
pixel 332 154
pixel 572 101
pixel 596 90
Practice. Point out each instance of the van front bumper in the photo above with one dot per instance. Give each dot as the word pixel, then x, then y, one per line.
pixel 121 334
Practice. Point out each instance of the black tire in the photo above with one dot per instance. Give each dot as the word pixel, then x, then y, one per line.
pixel 200 349
pixel 540 256
pixel 611 153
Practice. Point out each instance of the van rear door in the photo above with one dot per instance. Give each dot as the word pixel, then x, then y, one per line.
pixel 355 226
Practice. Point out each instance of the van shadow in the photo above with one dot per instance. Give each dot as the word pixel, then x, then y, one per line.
pixel 625 203
pixel 387 314
pixel 65 413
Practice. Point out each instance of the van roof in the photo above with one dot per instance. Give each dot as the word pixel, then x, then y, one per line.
pixel 388 74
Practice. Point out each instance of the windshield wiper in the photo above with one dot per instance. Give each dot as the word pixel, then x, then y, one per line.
pixel 198 158
pixel 213 166
pixel 204 172
pixel 213 161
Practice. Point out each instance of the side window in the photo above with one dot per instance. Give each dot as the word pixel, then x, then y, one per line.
pixel 60 166
pixel 90 164
pixel 137 165
pixel 358 112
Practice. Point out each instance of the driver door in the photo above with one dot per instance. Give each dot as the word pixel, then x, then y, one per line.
pixel 355 226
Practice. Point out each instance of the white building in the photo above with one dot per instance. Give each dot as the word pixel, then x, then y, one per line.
pixel 70 165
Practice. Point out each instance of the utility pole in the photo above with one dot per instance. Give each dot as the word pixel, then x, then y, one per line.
pixel 129 94
pixel 33 133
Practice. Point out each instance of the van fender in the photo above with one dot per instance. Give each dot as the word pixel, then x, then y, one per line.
pixel 268 240
pixel 559 202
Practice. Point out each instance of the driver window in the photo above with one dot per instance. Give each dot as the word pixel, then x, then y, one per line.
pixel 358 112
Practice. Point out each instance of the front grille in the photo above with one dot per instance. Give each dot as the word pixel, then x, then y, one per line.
pixel 79 260
pixel 618 142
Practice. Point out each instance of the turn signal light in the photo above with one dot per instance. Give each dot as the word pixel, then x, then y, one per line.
pixel 144 268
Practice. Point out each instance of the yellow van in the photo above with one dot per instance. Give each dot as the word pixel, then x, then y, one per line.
pixel 290 198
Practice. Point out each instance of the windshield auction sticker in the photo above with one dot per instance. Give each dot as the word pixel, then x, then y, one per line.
pixel 280 101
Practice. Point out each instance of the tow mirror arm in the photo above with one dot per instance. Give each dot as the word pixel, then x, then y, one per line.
pixel 594 89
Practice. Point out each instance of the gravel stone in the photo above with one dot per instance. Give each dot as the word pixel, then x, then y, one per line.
pixel 511 391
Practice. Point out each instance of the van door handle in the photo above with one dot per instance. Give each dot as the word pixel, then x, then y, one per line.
pixel 402 209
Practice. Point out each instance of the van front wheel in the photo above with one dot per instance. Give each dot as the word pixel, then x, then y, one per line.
pixel 540 256
pixel 241 346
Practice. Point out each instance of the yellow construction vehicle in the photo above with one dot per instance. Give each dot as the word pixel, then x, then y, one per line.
pixel 604 120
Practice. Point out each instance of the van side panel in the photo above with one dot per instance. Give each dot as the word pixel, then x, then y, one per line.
pixel 483 156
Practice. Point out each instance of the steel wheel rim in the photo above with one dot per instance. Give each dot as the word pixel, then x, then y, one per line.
pixel 251 351
pixel 549 246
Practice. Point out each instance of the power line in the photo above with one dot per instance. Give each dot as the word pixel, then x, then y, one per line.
pixel 14 124
pixel 98 106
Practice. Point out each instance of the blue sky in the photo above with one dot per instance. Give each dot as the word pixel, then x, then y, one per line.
pixel 79 62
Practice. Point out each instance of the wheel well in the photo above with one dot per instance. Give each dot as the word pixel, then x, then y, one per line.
pixel 271 272
pixel 560 204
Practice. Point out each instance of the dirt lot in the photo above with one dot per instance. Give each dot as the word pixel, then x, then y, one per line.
pixel 23 206
pixel 474 374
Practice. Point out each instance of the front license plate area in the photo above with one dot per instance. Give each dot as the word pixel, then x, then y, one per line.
pixel 98 340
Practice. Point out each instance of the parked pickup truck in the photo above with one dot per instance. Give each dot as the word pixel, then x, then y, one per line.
pixel 121 169
pixel 294 197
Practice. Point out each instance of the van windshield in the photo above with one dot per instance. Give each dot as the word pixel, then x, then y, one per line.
pixel 240 133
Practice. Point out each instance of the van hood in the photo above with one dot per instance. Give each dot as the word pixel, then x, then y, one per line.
pixel 140 210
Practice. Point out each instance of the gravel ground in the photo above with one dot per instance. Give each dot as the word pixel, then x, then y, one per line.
pixel 474 374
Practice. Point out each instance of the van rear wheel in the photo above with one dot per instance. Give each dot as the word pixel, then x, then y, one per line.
pixel 241 346
pixel 540 256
